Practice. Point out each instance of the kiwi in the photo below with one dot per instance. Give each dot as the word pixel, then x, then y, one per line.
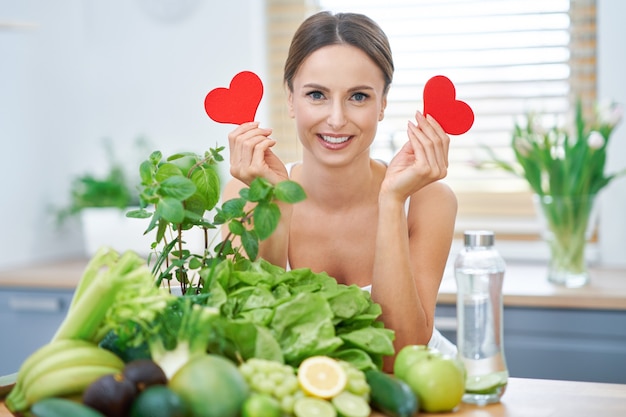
pixel 144 373
pixel 112 395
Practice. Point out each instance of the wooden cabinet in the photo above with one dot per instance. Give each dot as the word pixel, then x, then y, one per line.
pixel 28 319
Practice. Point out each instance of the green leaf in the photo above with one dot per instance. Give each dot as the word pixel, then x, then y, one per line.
pixel 166 171
pixel 233 208
pixel 155 157
pixel 178 188
pixel 139 214
pixel 236 228
pixel 171 209
pixel 207 186
pixel 266 217
pixel 215 153
pixel 289 192
pixel 250 243
pixel 146 172
pixel 260 189
pixel 371 340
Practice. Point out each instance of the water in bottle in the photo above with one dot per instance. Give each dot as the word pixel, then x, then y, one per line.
pixel 479 273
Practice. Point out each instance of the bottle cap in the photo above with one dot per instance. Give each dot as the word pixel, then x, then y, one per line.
pixel 475 238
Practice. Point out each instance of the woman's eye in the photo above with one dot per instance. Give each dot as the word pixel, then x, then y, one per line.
pixel 359 97
pixel 316 95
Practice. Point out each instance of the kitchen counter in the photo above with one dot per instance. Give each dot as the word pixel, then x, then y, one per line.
pixel 539 398
pixel 525 285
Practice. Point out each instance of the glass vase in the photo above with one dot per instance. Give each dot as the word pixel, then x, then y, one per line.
pixel 568 223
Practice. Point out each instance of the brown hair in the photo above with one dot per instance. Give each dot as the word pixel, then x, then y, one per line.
pixel 324 28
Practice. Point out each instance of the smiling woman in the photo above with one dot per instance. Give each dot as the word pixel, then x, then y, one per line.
pixel 365 223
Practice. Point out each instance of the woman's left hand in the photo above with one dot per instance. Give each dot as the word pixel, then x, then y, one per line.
pixel 421 161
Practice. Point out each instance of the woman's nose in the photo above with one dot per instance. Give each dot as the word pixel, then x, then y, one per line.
pixel 337 117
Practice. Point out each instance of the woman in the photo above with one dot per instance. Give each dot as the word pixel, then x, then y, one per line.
pixel 365 223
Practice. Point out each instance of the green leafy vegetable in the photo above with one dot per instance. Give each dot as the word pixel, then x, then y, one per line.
pixel 271 313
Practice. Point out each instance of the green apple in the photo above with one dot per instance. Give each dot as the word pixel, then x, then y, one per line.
pixel 437 381
pixel 407 356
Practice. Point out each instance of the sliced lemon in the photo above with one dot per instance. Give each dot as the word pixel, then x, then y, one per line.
pixel 322 377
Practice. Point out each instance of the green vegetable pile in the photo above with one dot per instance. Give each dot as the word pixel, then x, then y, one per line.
pixel 257 310
pixel 233 303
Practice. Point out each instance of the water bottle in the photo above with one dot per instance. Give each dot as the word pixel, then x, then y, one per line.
pixel 479 273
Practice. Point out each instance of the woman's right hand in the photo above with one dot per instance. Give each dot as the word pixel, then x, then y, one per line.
pixel 251 155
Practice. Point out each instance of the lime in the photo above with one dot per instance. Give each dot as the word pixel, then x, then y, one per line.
pixel 211 386
pixel 486 384
pixel 313 407
pixel 260 405
pixel 158 401
pixel 351 405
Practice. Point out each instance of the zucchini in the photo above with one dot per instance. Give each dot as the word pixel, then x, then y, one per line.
pixel 390 395
pixel 62 407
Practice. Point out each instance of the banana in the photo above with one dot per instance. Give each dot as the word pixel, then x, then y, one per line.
pixel 53 357
pixel 81 355
pixel 15 400
pixel 64 382
pixel 46 351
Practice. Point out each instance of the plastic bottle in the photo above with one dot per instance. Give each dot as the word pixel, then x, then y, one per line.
pixel 479 273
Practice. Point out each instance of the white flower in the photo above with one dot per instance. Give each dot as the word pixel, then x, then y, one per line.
pixel 595 140
pixel 523 146
pixel 557 151
pixel 609 113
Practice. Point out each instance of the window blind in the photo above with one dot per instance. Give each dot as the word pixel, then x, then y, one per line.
pixel 506 58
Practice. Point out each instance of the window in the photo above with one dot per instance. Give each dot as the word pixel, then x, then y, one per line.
pixel 506 58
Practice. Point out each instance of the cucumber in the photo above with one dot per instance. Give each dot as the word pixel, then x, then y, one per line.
pixel 348 404
pixel 390 395
pixel 62 407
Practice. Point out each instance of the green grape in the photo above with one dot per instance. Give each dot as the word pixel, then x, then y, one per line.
pixel 287 387
pixel 357 383
pixel 286 404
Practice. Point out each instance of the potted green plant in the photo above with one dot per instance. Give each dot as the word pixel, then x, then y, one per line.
pixel 179 195
pixel 101 202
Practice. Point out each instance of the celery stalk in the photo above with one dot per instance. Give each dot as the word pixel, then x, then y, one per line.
pixel 123 290
pixel 105 256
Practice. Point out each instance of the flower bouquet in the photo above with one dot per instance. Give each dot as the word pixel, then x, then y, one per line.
pixel 565 169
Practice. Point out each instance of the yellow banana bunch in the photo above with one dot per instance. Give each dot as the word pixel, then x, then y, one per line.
pixel 60 368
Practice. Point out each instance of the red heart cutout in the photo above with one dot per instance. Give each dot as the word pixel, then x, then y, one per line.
pixel 455 117
pixel 238 103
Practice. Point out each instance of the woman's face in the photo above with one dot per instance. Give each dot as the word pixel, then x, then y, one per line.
pixel 338 98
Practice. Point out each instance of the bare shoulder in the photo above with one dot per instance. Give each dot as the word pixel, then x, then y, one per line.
pixel 433 206
pixel 437 194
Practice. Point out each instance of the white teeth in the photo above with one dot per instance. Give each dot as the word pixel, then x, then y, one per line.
pixel 332 139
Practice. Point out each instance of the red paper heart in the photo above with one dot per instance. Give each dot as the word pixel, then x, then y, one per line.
pixel 455 117
pixel 238 103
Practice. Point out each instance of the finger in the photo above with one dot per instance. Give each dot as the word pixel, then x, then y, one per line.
pixel 445 139
pixel 240 130
pixel 246 141
pixel 251 147
pixel 423 147
pixel 434 138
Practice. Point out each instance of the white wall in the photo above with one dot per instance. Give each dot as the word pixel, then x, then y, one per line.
pixel 612 85
pixel 92 69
